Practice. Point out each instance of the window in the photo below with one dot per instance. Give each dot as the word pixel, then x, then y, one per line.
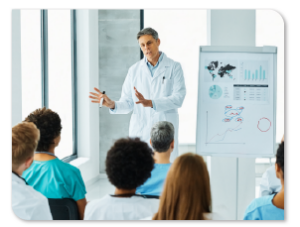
pixel 54 29
pixel 181 34
pixel 31 61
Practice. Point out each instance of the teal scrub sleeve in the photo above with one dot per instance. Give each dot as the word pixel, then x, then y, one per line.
pixel 77 188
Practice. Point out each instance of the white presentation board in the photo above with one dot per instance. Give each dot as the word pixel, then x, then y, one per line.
pixel 236 113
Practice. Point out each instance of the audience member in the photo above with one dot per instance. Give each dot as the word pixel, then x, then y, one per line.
pixel 186 194
pixel 269 183
pixel 162 141
pixel 52 177
pixel 270 207
pixel 129 163
pixel 27 203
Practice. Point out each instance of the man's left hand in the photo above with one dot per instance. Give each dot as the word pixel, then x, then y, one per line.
pixel 142 100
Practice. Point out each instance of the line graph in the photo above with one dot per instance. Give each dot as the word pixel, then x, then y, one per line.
pixel 219 138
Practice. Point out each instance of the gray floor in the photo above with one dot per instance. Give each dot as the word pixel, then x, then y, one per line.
pixel 103 187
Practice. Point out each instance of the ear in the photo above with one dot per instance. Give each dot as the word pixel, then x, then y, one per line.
pixel 172 144
pixel 158 42
pixel 150 142
pixel 57 140
pixel 28 162
pixel 278 171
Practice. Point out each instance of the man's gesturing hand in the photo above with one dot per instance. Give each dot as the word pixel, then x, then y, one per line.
pixel 142 100
pixel 98 96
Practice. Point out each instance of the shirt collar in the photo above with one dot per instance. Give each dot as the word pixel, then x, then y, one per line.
pixel 17 178
pixel 159 59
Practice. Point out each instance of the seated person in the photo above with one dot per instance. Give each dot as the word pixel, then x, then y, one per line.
pixel 162 142
pixel 129 164
pixel 270 207
pixel 186 194
pixel 52 177
pixel 27 203
pixel 269 183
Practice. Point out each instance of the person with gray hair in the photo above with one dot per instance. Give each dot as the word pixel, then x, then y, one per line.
pixel 162 141
pixel 153 90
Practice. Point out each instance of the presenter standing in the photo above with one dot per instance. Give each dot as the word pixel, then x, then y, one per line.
pixel 154 89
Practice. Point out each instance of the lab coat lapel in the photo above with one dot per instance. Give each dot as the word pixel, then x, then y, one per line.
pixel 163 65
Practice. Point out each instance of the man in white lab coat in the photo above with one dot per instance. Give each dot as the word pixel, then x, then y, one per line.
pixel 27 203
pixel 154 89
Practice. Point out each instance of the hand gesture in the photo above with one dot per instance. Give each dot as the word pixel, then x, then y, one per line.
pixel 98 96
pixel 142 100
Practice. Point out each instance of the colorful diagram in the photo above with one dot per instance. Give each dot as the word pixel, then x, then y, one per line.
pixel 264 124
pixel 231 115
pixel 215 92
pixel 216 68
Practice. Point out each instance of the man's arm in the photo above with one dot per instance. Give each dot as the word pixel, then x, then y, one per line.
pixel 175 100
pixel 81 207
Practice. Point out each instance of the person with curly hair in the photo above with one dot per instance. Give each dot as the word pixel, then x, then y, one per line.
pixel 27 203
pixel 270 207
pixel 162 141
pixel 129 163
pixel 186 194
pixel 52 177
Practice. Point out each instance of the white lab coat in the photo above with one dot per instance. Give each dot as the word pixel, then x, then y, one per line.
pixel 269 183
pixel 27 203
pixel 166 88
pixel 116 208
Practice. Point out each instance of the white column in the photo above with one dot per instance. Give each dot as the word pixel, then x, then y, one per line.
pixel 16 108
pixel 232 179
pixel 87 79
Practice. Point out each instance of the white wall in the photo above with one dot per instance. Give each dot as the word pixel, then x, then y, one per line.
pixel 16 108
pixel 232 179
pixel 87 79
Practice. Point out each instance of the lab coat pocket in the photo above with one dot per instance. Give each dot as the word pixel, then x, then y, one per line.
pixel 167 86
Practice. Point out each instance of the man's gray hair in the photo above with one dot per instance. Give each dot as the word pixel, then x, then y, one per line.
pixel 148 31
pixel 162 135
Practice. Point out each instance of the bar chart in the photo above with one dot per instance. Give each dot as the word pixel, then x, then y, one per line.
pixel 253 71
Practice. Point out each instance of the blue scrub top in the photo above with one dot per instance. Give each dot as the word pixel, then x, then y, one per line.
pixel 263 209
pixel 55 179
pixel 154 184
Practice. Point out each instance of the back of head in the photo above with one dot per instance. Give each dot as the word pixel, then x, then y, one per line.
pixel 280 157
pixel 186 194
pixel 129 163
pixel 162 135
pixel 25 137
pixel 49 124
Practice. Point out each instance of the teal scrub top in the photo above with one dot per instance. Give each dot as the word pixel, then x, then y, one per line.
pixel 154 184
pixel 55 179
pixel 263 209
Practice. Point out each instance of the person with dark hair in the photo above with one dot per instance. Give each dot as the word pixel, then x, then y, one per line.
pixel 270 207
pixel 162 141
pixel 269 183
pixel 27 203
pixel 129 164
pixel 52 177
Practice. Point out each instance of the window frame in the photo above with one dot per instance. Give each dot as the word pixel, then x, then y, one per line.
pixel 45 75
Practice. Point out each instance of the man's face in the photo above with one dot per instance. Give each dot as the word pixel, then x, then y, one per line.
pixel 149 46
